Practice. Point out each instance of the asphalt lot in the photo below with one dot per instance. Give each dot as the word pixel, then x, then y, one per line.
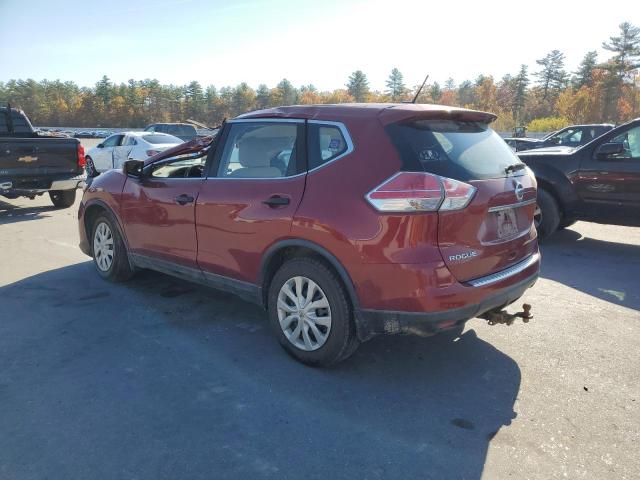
pixel 157 378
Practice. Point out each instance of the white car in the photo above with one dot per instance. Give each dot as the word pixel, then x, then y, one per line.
pixel 114 150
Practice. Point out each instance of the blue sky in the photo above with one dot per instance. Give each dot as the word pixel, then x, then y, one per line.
pixel 320 42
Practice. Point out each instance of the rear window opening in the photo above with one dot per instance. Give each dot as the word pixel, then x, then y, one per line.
pixel 461 150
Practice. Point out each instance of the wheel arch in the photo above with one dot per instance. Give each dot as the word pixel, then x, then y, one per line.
pixel 94 209
pixel 283 250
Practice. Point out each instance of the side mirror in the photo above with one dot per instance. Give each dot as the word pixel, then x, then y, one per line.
pixel 133 168
pixel 606 150
pixel 100 145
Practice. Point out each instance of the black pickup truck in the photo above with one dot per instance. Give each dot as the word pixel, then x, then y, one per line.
pixel 31 164
pixel 597 182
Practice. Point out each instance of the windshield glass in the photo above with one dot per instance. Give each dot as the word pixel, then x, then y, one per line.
pixel 160 139
pixel 455 149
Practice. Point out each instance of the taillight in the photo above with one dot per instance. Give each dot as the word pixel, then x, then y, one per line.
pixel 81 160
pixel 151 153
pixel 420 192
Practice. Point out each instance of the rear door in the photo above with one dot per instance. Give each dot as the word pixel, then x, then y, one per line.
pixel 252 192
pixel 495 230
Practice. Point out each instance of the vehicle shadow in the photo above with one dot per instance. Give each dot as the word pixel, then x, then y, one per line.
pixel 603 269
pixel 159 378
pixel 10 213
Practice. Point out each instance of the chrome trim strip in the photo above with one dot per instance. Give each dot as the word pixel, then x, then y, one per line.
pixel 506 273
pixel 513 205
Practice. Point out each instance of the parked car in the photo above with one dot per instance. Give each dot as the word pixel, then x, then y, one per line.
pixel 31 165
pixel 184 131
pixel 573 136
pixel 517 144
pixel 343 221
pixel 598 182
pixel 127 146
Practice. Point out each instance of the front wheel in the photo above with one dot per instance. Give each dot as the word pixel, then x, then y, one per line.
pixel 109 251
pixel 90 168
pixel 310 313
pixel 62 198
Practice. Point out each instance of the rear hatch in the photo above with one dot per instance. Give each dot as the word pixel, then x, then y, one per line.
pixel 495 229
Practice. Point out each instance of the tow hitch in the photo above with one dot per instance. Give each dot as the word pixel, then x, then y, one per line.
pixel 494 317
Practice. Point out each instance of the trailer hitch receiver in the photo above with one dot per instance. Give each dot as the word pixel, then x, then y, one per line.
pixel 495 317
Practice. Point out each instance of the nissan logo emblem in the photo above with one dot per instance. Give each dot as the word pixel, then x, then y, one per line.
pixel 519 191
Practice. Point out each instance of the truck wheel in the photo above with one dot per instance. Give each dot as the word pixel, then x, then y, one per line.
pixel 109 251
pixel 310 313
pixel 547 214
pixel 62 198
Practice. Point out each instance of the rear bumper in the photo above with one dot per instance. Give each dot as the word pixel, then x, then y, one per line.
pixel 36 185
pixel 498 291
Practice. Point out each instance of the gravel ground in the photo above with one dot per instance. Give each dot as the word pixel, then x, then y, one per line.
pixel 158 378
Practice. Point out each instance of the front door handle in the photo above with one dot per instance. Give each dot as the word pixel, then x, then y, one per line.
pixel 184 199
pixel 277 201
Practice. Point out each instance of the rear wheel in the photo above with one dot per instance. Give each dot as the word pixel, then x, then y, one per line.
pixel 109 251
pixel 547 214
pixel 310 313
pixel 62 198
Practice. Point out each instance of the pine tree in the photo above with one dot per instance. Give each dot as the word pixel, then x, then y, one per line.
pixel 553 77
pixel 358 86
pixel 626 47
pixel 520 83
pixel 395 85
pixel 584 75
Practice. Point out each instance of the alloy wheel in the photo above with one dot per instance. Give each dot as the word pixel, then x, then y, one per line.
pixel 304 313
pixel 103 246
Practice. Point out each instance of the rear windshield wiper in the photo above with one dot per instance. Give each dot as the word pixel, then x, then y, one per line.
pixel 514 168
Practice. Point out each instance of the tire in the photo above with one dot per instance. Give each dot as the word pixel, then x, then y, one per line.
pixel 62 198
pixel 90 168
pixel 105 237
pixel 566 223
pixel 337 340
pixel 547 217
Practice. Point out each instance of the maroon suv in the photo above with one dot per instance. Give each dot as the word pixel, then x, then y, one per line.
pixel 343 221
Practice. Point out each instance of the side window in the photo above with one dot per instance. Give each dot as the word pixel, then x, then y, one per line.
pixel 112 141
pixel 129 141
pixel 20 123
pixel 260 150
pixel 180 168
pixel 326 142
pixel 630 141
pixel 4 126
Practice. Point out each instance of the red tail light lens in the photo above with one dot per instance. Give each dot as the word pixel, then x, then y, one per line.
pixel 457 195
pixel 420 192
pixel 81 160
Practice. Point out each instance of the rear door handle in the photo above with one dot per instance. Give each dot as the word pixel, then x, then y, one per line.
pixel 184 199
pixel 277 201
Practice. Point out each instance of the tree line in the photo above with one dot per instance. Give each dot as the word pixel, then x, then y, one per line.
pixel 547 99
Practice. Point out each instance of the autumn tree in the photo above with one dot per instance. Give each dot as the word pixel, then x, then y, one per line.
pixel 358 86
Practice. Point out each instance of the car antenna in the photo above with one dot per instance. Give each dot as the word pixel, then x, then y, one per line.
pixel 420 89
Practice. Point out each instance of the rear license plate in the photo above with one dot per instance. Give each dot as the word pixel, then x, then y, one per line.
pixel 507 223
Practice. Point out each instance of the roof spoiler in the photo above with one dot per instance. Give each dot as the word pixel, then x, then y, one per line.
pixel 396 115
